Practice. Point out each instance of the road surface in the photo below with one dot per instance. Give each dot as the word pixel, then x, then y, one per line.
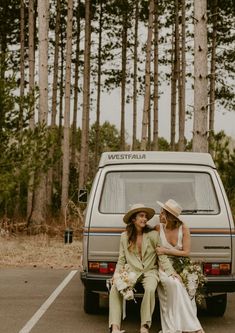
pixel 51 301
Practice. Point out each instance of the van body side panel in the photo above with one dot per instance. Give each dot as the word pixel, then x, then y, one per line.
pixel 230 219
pixel 87 218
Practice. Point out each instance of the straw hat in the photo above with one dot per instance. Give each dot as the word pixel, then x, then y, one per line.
pixel 171 206
pixel 136 208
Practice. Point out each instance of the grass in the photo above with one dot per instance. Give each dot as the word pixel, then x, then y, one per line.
pixel 39 251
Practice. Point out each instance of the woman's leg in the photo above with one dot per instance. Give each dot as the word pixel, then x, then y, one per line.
pixel 149 283
pixel 176 308
pixel 115 308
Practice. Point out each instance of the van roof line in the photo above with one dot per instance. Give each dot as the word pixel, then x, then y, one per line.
pixel 153 157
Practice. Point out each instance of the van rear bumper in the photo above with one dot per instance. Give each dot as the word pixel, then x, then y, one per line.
pixel 96 282
pixel 221 285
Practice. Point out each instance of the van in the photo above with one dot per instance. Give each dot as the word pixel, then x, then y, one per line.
pixel 125 178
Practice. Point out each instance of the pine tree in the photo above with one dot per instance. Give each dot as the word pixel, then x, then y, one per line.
pixel 200 126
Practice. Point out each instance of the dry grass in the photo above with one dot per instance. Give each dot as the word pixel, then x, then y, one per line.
pixel 39 251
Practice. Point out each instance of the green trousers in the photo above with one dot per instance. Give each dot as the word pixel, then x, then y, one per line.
pixel 149 283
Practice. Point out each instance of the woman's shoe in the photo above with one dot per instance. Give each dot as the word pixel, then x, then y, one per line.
pixel 118 331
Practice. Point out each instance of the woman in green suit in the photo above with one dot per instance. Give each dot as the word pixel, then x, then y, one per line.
pixel 138 249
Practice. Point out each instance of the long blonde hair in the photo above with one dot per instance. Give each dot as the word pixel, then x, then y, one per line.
pixel 175 222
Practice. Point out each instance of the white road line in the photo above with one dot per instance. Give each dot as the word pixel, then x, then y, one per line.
pixel 32 322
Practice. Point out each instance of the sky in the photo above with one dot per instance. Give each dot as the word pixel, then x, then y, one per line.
pixel 110 111
pixel 111 104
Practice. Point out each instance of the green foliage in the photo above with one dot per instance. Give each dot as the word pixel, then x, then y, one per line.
pixel 224 158
pixel 163 144
pixel 192 276
pixel 23 151
pixel 225 52
pixel 109 138
pixel 26 152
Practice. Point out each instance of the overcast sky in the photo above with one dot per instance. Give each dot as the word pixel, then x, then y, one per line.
pixel 110 111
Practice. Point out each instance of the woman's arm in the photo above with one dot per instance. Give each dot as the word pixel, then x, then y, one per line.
pixel 185 252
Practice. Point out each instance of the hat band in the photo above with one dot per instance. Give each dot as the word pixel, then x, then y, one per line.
pixel 173 212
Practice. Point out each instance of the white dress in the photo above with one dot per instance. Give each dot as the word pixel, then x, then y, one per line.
pixel 178 312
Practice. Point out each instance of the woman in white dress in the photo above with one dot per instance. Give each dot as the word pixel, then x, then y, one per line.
pixel 178 312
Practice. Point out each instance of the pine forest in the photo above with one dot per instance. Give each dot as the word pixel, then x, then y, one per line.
pixel 61 60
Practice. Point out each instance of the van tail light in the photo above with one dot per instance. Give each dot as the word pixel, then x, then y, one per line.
pixel 210 269
pixel 101 267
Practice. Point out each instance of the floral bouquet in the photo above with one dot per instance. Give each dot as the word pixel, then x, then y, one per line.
pixel 124 280
pixel 191 275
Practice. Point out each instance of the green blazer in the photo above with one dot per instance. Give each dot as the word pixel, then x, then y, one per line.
pixel 150 261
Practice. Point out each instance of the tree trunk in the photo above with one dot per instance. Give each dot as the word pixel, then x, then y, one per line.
pixel 97 125
pixel 21 103
pixel 200 127
pixel 54 99
pixel 123 83
pixel 43 25
pixel 56 64
pixel 66 145
pixel 173 89
pixel 146 109
pixel 58 172
pixel 39 205
pixel 182 78
pixel 83 167
pixel 135 76
pixel 155 92
pixel 76 77
pixel 212 75
pixel 22 65
pixel 31 94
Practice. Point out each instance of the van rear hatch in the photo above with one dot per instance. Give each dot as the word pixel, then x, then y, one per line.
pixel 198 190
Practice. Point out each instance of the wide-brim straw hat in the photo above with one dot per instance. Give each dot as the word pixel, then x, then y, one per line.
pixel 172 207
pixel 136 208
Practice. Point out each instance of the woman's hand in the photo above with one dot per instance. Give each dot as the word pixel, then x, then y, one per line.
pixel 177 276
pixel 161 250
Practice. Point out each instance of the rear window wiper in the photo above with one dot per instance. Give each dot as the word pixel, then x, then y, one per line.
pixel 193 211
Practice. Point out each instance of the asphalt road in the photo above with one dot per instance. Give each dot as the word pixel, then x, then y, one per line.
pixel 23 291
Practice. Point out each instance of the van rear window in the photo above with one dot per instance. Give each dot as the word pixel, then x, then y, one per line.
pixel 194 191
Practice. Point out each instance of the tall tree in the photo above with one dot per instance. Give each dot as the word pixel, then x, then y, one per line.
pixel 156 84
pixel 135 76
pixel 22 93
pixel 83 166
pixel 98 98
pixel 124 8
pixel 22 64
pixel 56 64
pixel 66 145
pixel 31 15
pixel 54 98
pixel 182 79
pixel 225 67
pixel 9 35
pixel 31 58
pixel 173 84
pixel 200 126
pixel 76 90
pixel 212 75
pixel 146 108
pixel 39 204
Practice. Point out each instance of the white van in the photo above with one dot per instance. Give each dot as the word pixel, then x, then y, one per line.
pixel 125 178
